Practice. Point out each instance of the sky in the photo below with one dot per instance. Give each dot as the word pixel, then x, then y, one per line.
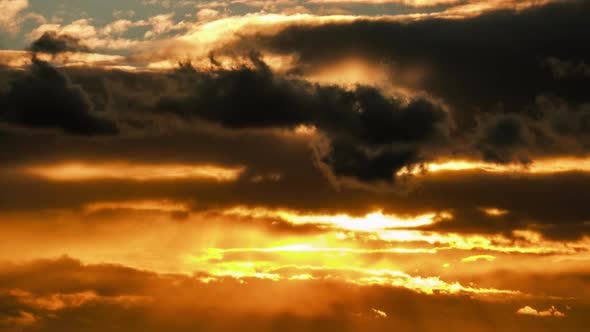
pixel 294 165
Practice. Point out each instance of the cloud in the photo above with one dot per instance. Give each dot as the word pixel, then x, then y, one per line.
pixel 301 187
pixel 121 26
pixel 52 43
pixel 551 312
pixel 460 161
pixel 371 135
pixel 362 132
pixel 378 313
pixel 369 146
pixel 417 3
pixel 501 137
pixel 505 116
pixel 12 14
pixel 134 172
pixel 476 258
pixel 18 320
pixel 467 62
pixel 45 98
pixel 88 35
pixel 145 301
pixel 207 14
pixel 450 6
pixel 564 69
pixel 61 301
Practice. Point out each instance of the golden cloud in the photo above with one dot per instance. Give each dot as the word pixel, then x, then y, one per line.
pixel 80 171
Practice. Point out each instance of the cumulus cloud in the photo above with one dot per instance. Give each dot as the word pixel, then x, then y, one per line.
pixel 88 35
pixel 371 135
pixel 11 14
pixel 207 14
pixel 551 312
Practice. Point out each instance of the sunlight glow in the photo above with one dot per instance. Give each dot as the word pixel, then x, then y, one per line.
pixel 369 222
pixel 146 205
pixel 353 275
pixel 476 258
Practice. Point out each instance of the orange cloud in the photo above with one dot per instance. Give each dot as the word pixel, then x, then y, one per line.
pixel 147 205
pixel 551 312
pixel 369 222
pixel 476 258
pixel 539 166
pixel 379 313
pixel 80 171
pixel 342 272
pixel 23 318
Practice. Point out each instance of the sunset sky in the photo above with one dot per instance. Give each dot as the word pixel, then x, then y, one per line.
pixel 294 165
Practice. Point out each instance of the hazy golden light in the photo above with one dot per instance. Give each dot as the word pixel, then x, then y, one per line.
pixel 339 270
pixel 55 302
pixel 156 205
pixel 529 242
pixel 494 212
pixel 369 222
pixel 476 258
pixel 304 130
pixel 216 253
pixel 131 171
pixel 352 71
pixel 428 285
pixel 203 38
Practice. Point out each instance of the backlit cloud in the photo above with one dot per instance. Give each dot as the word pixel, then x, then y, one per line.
pixel 551 312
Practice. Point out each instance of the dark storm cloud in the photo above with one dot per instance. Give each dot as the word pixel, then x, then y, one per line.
pixel 492 71
pixel 501 137
pixel 367 140
pixel 52 43
pixel 372 135
pixel 496 63
pixel 551 223
pixel 44 97
pixel 564 69
pixel 492 61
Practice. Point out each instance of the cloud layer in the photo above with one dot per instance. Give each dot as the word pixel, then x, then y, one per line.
pixel 295 166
